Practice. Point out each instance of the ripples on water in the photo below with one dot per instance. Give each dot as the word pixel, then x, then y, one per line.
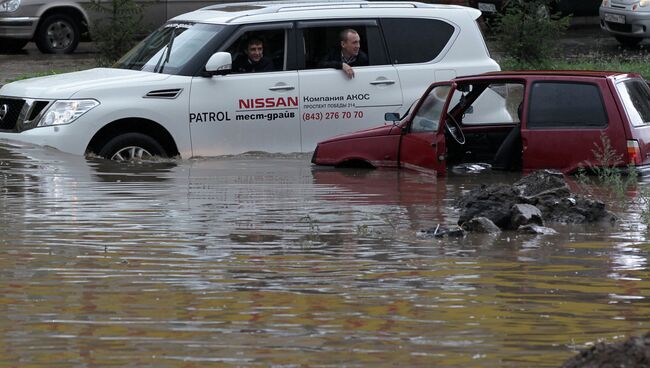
pixel 261 260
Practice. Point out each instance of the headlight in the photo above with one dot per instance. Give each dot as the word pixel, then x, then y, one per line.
pixel 66 111
pixel 644 2
pixel 604 3
pixel 9 5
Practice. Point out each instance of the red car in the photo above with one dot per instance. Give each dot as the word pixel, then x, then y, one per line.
pixel 512 121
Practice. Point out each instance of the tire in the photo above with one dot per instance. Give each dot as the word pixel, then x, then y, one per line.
pixel 128 146
pixel 11 46
pixel 58 34
pixel 628 41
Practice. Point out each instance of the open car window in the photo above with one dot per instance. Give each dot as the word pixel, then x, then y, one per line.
pixel 497 103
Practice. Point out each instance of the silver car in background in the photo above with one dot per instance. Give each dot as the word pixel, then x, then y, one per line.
pixel 627 20
pixel 58 26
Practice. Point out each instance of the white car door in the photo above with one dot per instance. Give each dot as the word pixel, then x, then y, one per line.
pixel 259 111
pixel 331 103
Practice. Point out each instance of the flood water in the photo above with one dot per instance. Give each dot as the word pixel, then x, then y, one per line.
pixel 264 261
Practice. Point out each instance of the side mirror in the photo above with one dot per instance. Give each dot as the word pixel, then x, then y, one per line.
pixel 391 116
pixel 220 63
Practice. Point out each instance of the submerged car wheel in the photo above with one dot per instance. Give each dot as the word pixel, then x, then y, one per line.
pixel 130 146
pixel 628 41
pixel 58 34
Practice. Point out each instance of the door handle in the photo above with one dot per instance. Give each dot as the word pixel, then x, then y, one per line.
pixel 282 88
pixel 384 81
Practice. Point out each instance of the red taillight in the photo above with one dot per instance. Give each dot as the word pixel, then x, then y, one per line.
pixel 633 152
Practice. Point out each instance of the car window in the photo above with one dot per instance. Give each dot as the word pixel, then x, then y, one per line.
pixel 170 48
pixel 427 118
pixel 415 40
pixel 321 41
pixel 273 42
pixel 636 99
pixel 498 103
pixel 565 105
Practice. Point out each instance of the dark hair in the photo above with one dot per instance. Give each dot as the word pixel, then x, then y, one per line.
pixel 343 35
pixel 254 40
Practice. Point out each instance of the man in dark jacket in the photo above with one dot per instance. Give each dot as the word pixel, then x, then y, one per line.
pixel 253 59
pixel 348 55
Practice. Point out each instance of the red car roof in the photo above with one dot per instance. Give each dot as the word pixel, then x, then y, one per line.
pixel 548 73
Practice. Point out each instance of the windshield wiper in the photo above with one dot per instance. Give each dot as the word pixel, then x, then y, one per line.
pixel 164 58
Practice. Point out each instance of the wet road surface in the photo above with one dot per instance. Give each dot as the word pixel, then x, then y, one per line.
pixel 262 260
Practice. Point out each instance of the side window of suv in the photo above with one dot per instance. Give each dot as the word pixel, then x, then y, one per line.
pixel 321 40
pixel 565 105
pixel 412 40
pixel 259 51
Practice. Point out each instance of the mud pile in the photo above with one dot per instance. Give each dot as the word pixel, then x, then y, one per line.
pixel 527 205
pixel 631 353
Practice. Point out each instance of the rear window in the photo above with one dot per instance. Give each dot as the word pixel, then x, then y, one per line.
pixel 415 40
pixel 635 95
pixel 566 105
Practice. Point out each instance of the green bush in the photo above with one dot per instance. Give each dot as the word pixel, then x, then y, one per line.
pixel 115 33
pixel 528 33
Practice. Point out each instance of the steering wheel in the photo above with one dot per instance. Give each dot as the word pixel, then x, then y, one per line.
pixel 454 129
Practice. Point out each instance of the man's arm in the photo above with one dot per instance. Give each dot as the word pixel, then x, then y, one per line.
pixel 331 60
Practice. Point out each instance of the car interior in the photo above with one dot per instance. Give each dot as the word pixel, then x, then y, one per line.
pixel 488 117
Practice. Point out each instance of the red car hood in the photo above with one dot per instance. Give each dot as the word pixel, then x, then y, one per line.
pixel 371 132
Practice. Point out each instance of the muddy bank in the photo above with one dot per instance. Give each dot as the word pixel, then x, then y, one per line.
pixel 527 205
pixel 631 353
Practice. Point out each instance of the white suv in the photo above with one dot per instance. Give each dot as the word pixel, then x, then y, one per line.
pixel 174 94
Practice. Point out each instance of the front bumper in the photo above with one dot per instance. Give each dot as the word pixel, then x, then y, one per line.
pixel 625 22
pixel 18 27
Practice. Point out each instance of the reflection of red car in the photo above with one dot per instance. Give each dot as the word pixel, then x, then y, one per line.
pixel 511 120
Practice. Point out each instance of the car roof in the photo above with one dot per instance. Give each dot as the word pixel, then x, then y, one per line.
pixel 259 11
pixel 549 73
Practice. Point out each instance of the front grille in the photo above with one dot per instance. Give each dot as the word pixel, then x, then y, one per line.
pixel 11 108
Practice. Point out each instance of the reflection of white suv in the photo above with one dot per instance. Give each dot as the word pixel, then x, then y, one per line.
pixel 627 20
pixel 174 93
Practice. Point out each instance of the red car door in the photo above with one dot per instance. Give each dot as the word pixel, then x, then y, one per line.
pixel 422 147
pixel 564 123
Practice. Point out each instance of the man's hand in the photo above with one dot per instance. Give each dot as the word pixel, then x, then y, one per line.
pixel 348 70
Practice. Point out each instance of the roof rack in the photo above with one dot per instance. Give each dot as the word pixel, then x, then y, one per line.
pixel 265 7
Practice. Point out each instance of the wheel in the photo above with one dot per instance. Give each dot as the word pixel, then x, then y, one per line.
pixel 9 45
pixel 129 146
pixel 58 34
pixel 454 130
pixel 628 41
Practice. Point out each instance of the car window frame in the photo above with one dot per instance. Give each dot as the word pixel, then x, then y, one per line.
pixel 375 40
pixel 289 28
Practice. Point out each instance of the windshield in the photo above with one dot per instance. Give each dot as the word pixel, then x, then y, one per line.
pixel 168 49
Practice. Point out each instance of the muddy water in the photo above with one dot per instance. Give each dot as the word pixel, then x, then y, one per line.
pixel 262 261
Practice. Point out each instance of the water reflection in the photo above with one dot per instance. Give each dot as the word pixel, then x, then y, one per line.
pixel 264 260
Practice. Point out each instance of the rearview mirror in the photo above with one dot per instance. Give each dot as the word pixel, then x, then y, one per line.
pixel 391 116
pixel 220 63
